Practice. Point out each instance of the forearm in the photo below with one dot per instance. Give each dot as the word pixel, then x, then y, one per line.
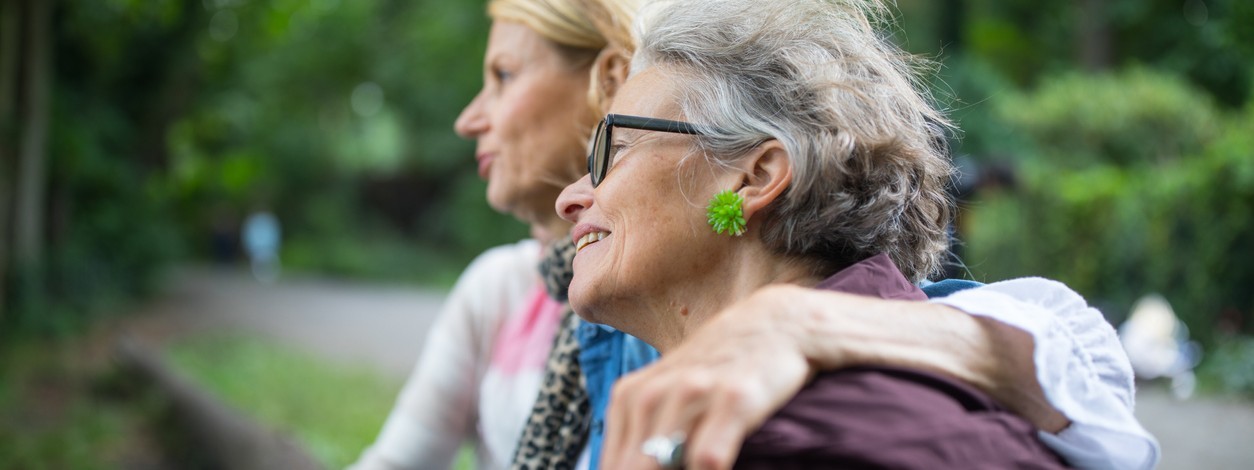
pixel 1078 361
pixel 989 355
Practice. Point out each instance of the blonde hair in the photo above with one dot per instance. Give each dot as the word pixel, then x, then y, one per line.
pixel 580 29
pixel 613 19
pixel 564 22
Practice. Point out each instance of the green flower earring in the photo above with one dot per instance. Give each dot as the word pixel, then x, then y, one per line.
pixel 726 214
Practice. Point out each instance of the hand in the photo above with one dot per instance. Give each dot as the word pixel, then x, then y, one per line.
pixel 717 387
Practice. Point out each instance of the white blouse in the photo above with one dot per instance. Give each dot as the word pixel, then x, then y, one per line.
pixel 480 369
pixel 1080 365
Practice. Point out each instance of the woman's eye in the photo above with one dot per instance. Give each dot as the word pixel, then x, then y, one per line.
pixel 502 76
pixel 615 149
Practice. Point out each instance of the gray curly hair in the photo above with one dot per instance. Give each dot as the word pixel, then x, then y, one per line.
pixel 866 144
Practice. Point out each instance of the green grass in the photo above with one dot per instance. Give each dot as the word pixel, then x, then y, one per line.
pixel 54 412
pixel 334 410
pixel 60 409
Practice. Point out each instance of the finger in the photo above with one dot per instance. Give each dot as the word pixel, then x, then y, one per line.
pixel 738 407
pixel 632 403
pixel 715 439
pixel 680 407
pixel 660 406
pixel 615 426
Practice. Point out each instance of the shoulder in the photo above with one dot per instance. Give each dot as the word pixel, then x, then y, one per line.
pixel 505 262
pixel 1038 290
pixel 495 283
pixel 895 418
pixel 947 287
pixel 525 252
pixel 843 402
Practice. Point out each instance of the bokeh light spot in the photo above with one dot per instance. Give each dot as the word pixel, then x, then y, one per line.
pixel 367 99
pixel 223 25
pixel 1195 12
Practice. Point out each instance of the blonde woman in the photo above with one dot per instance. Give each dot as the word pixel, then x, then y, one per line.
pixel 481 367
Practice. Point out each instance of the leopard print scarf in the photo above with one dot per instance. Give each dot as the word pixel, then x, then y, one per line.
pixel 557 429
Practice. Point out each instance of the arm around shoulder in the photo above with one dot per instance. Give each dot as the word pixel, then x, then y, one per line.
pixel 1078 364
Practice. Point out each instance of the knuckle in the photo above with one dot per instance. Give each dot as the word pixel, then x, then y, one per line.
pixel 710 459
pixel 740 398
pixel 640 394
pixel 735 395
pixel 627 388
pixel 697 384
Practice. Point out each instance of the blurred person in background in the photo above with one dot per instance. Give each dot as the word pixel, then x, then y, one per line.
pixel 550 70
pixel 261 238
pixel 1158 345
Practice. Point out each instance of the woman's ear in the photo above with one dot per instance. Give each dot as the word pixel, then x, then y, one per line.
pixel 767 173
pixel 609 72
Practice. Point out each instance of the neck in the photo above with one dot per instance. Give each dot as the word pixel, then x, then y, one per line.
pixel 549 231
pixel 684 308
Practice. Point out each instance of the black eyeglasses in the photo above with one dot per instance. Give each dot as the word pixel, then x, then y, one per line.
pixel 599 158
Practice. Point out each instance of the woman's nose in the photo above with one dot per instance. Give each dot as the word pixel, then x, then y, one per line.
pixel 473 121
pixel 576 198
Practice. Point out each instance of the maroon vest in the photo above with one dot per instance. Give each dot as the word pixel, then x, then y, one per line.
pixel 882 417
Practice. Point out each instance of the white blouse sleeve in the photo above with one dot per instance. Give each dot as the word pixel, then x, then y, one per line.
pixel 1080 365
pixel 436 410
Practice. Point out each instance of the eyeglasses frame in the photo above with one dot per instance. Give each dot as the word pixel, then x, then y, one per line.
pixel 604 134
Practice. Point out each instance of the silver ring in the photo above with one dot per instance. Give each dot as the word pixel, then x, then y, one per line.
pixel 668 451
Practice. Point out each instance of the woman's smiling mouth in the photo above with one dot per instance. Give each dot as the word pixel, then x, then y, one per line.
pixel 589 238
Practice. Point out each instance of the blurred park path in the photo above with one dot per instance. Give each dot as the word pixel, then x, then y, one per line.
pixel 1210 432
pixel 383 327
pixel 377 326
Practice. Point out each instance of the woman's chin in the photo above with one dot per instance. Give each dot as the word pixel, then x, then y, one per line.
pixel 508 204
pixel 497 200
pixel 576 295
pixel 582 301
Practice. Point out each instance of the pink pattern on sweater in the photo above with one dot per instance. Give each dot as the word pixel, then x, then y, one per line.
pixel 527 336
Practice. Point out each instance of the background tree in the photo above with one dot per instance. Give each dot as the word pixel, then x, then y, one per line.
pixel 173 120
pixel 9 30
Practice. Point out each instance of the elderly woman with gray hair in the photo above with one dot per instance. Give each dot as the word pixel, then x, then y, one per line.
pixel 780 143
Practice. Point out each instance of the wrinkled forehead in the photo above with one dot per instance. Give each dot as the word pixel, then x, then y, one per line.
pixel 652 92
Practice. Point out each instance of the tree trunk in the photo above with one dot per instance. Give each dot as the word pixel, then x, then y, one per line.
pixel 32 164
pixel 9 27
pixel 1095 36
pixel 953 17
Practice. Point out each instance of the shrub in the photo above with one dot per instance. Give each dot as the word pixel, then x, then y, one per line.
pixel 1180 227
pixel 1228 366
pixel 1077 120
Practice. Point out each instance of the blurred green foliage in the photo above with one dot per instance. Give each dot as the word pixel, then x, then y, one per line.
pixel 1120 134
pixel 174 120
pixel 1124 119
pixel 1227 367
pixel 58 412
pixel 1162 203
pixel 1207 42
pixel 1127 122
